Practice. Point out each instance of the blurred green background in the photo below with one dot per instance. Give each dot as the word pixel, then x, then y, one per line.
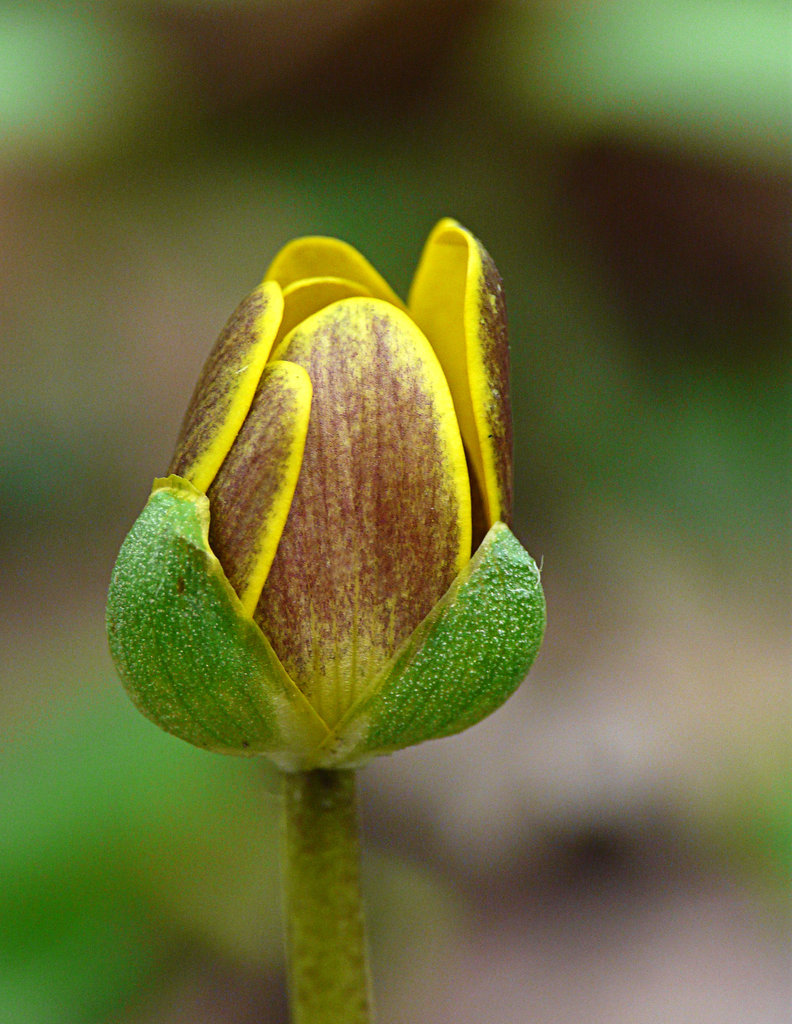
pixel 614 844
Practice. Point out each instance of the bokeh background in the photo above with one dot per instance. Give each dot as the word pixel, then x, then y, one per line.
pixel 614 844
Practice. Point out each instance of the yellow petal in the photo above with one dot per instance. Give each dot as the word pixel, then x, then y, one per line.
pixel 252 492
pixel 307 296
pixel 226 386
pixel 317 256
pixel 380 521
pixel 457 300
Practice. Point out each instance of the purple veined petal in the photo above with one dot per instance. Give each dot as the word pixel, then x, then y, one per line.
pixel 307 296
pixel 226 386
pixel 380 521
pixel 252 492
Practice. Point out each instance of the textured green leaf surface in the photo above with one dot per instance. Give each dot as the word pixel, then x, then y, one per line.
pixel 464 660
pixel 190 658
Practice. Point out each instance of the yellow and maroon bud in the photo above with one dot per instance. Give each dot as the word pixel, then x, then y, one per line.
pixel 328 573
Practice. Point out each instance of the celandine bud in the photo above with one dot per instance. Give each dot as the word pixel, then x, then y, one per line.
pixel 328 572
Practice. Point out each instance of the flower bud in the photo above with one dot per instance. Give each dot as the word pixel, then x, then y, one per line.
pixel 327 573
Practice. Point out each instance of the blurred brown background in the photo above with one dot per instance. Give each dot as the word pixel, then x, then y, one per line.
pixel 614 844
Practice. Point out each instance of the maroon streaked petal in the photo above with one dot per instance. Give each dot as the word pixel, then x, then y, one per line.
pixel 307 296
pixel 380 520
pixel 251 494
pixel 226 386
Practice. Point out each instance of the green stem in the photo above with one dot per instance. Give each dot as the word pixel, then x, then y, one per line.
pixel 325 933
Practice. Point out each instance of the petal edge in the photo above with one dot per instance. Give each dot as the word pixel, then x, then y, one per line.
pixel 253 489
pixel 457 300
pixel 226 387
pixel 320 256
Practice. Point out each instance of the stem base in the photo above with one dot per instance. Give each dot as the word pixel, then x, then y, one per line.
pixel 325 933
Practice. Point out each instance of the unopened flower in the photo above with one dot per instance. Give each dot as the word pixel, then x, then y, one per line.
pixel 328 573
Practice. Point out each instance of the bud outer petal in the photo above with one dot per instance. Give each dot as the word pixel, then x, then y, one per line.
pixel 251 494
pixel 380 522
pixel 226 387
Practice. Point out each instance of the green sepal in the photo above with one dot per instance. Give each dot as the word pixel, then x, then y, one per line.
pixel 189 656
pixel 462 662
